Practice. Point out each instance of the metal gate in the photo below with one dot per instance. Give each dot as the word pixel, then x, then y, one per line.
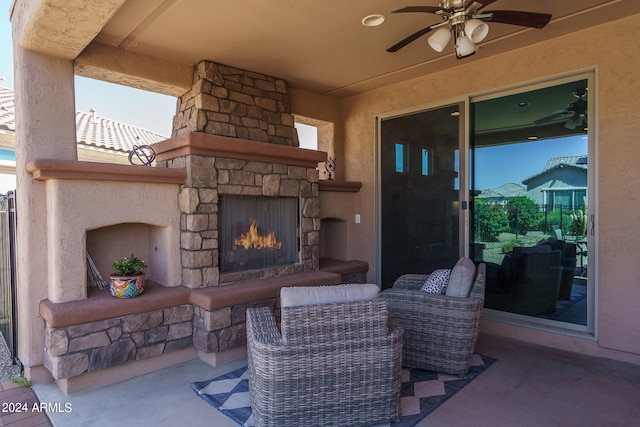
pixel 8 322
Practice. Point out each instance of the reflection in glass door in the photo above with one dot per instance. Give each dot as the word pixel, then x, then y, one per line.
pixel 530 201
pixel 419 200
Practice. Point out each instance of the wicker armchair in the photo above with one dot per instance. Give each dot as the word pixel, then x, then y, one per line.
pixel 440 332
pixel 333 364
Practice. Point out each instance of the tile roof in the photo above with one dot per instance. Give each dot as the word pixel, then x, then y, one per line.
pixel 92 131
pixel 7 113
pixel 505 191
pixel 577 162
pixel 99 132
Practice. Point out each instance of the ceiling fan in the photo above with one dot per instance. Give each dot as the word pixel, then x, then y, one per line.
pixel 576 112
pixel 464 19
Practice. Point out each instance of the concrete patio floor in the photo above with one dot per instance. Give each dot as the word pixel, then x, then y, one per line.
pixel 527 386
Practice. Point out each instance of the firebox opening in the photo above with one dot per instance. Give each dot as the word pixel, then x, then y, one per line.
pixel 258 232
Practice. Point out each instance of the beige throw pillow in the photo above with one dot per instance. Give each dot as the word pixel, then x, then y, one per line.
pixel 462 276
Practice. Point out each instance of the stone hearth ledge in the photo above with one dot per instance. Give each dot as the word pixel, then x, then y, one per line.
pixel 100 305
pixel 101 339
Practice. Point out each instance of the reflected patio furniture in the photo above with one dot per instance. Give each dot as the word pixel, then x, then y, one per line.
pixel 582 256
pixel 333 364
pixel 529 281
pixel 440 332
pixel 567 262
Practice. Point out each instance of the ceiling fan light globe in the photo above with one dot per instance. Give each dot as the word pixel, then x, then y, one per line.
pixel 476 30
pixel 439 39
pixel 465 47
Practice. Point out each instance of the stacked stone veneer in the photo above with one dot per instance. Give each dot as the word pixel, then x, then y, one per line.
pixel 225 328
pixel 74 350
pixel 210 177
pixel 237 103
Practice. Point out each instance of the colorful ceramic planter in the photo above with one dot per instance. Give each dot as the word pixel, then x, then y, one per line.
pixel 126 286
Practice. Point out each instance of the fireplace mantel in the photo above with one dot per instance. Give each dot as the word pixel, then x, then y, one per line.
pixel 203 144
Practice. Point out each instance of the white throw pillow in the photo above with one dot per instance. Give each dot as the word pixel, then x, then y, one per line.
pixel 310 295
pixel 462 276
pixel 437 282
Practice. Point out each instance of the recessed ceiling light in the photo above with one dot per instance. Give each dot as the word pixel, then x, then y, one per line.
pixel 533 138
pixel 373 20
pixel 455 113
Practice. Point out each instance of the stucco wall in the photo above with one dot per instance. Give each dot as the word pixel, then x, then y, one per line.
pixel 74 207
pixel 617 127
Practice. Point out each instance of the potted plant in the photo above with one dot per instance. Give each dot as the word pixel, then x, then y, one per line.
pixel 128 280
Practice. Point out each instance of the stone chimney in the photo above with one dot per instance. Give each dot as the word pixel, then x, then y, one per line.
pixel 232 102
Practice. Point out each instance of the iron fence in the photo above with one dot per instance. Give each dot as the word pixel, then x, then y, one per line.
pixel 490 220
pixel 8 272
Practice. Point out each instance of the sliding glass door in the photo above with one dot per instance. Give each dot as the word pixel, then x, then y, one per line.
pixel 530 211
pixel 505 178
pixel 420 193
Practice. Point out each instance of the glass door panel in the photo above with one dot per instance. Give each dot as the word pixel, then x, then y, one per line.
pixel 419 199
pixel 530 173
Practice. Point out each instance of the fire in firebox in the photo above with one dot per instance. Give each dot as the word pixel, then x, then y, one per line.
pixel 253 239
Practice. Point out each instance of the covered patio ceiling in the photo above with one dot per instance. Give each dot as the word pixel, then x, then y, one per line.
pixel 318 46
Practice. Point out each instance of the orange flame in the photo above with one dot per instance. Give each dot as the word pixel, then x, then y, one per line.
pixel 253 239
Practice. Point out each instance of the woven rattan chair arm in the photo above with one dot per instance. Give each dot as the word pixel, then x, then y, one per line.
pixel 410 281
pixel 262 327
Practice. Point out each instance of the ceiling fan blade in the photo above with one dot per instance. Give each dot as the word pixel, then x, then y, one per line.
pixel 524 19
pixel 402 43
pixel 486 3
pixel 426 9
pixel 558 114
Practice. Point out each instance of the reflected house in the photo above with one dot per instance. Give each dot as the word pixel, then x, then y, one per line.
pixel 561 184
pixel 502 194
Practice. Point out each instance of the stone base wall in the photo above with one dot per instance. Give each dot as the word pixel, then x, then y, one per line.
pixel 78 349
pixel 225 328
pixel 74 350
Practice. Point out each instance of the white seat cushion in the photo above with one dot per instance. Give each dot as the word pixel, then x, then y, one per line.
pixel 310 295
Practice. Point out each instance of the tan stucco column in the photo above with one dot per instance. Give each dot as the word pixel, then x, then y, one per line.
pixel 45 128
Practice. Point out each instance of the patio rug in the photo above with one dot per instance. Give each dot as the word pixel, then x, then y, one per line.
pixel 422 392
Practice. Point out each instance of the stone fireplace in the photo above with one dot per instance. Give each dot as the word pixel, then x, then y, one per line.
pixel 221 171
pixel 234 134
pixel 247 208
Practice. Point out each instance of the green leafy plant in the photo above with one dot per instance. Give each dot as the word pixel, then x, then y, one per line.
pixel 579 220
pixel 21 380
pixel 524 214
pixel 129 266
pixel 492 220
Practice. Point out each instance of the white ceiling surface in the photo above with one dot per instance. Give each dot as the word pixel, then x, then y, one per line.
pixel 321 45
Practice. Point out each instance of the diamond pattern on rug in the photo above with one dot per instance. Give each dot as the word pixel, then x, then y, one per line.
pixel 229 394
pixel 421 392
